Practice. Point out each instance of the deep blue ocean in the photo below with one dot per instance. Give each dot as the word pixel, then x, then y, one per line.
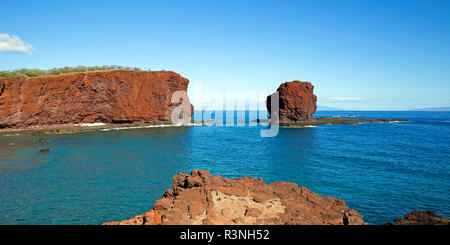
pixel 383 170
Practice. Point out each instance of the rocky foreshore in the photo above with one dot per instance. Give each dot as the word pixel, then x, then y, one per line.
pixel 76 128
pixel 341 121
pixel 421 218
pixel 332 121
pixel 201 198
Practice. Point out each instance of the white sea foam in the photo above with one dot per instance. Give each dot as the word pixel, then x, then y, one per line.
pixel 306 126
pixel 149 126
pixel 91 124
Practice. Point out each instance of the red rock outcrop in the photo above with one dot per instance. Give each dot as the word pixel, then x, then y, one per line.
pixel 421 218
pixel 200 198
pixel 297 103
pixel 106 96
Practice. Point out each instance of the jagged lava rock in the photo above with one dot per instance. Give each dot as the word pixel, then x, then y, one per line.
pixel 106 96
pixel 200 198
pixel 421 218
pixel 297 102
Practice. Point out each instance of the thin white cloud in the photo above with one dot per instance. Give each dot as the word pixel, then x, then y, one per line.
pixel 344 99
pixel 13 44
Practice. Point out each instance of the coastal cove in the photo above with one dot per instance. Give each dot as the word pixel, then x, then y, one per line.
pixel 225 121
pixel 383 170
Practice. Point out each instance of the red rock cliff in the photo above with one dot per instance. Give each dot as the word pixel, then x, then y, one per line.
pixel 297 102
pixel 106 96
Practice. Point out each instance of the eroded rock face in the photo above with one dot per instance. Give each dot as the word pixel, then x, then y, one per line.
pixel 200 198
pixel 106 96
pixel 422 218
pixel 297 102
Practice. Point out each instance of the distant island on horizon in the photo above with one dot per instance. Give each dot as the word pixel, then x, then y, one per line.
pixel 433 109
pixel 328 108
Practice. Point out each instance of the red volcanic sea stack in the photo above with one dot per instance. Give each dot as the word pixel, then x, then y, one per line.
pixel 107 96
pixel 297 102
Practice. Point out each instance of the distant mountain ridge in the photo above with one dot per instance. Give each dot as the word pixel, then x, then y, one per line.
pixel 328 108
pixel 433 109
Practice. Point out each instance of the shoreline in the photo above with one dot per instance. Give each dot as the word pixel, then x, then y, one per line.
pixel 87 127
pixel 78 128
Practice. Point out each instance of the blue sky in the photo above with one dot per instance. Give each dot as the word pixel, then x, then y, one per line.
pixel 363 55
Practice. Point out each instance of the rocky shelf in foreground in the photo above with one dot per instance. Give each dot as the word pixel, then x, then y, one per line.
pixel 201 198
pixel 421 218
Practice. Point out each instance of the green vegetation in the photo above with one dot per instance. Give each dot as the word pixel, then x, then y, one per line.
pixel 59 71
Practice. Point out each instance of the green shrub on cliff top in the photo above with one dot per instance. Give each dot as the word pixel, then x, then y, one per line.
pixel 65 70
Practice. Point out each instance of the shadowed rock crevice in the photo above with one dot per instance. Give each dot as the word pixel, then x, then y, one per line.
pixel 122 121
pixel 2 87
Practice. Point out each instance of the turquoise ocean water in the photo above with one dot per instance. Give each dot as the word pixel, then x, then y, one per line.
pixel 381 170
